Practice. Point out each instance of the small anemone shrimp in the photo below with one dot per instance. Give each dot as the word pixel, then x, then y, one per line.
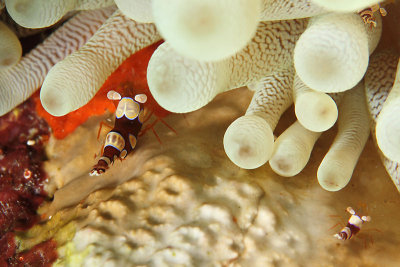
pixel 368 16
pixel 121 140
pixel 353 225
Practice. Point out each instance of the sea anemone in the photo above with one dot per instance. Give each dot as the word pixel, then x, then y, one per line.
pixel 189 204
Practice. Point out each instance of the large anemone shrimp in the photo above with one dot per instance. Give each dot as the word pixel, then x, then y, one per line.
pixel 128 83
pixel 121 140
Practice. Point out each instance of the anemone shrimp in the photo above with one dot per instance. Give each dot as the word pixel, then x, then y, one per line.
pixel 121 140
pixel 368 16
pixel 127 85
pixel 353 225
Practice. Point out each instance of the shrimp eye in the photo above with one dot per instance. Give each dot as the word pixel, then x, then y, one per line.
pixel 112 95
pixel 141 98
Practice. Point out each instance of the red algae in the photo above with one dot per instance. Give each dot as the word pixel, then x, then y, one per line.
pixel 22 134
pixel 7 249
pixel 41 255
pixel 132 71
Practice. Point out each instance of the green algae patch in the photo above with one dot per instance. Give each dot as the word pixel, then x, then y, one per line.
pixel 58 228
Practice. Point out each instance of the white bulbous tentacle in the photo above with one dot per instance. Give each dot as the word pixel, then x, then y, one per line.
pixel 72 82
pixel 249 140
pixel 22 32
pixel 38 13
pixel 315 110
pixel 332 54
pixel 379 81
pixel 292 150
pixel 388 123
pixel 22 80
pixel 10 47
pixel 338 165
pixel 181 84
pixel 44 13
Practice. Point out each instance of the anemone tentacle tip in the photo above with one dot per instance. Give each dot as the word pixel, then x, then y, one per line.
pixel 192 27
pixel 53 103
pixel 283 166
pixel 316 111
pixel 332 54
pixel 10 47
pixel 248 142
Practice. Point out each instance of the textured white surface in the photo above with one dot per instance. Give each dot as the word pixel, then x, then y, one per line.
pixel 337 167
pixel 345 5
pixel 72 82
pixel 180 84
pixel 92 4
pixel 273 97
pixel 20 81
pixel 141 11
pixel 138 10
pixel 379 81
pixel 289 9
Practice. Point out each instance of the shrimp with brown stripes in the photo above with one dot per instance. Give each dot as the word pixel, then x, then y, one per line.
pixel 121 140
pixel 353 225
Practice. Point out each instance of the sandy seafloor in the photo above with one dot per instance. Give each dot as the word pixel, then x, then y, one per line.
pixel 183 203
